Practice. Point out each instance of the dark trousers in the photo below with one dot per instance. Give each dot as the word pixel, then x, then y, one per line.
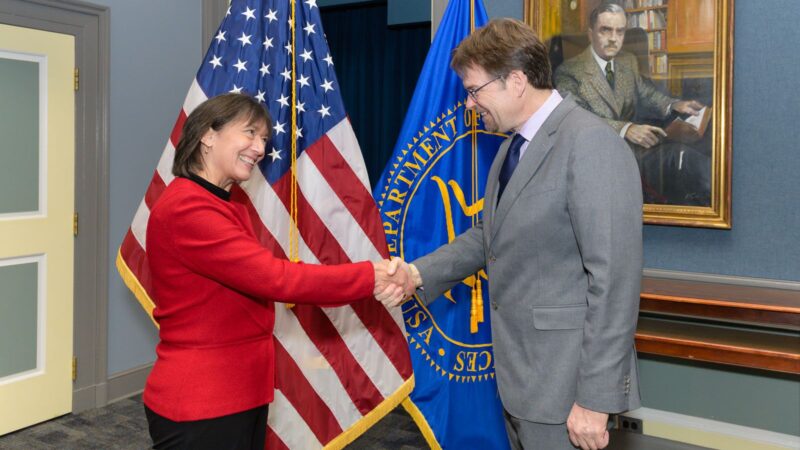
pixel 525 435
pixel 245 430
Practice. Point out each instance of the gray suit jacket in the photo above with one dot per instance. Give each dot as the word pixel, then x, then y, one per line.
pixel 563 250
pixel 581 77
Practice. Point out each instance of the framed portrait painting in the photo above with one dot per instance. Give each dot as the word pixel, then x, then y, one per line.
pixel 660 73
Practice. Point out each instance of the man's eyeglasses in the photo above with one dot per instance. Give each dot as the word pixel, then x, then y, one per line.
pixel 474 91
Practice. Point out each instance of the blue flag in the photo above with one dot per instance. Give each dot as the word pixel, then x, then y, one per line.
pixel 431 191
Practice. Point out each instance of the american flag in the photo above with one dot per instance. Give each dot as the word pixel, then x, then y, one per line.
pixel 339 370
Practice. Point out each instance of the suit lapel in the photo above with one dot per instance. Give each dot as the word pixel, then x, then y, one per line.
pixel 538 149
pixel 599 82
pixel 624 83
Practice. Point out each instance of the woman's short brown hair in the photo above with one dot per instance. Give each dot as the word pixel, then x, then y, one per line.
pixel 504 45
pixel 213 113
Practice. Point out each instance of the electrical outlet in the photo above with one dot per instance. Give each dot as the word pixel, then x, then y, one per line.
pixel 629 424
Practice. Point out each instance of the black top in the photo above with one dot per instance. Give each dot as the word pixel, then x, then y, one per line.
pixel 210 187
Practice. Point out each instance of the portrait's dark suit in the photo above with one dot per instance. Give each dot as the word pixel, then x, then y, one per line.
pixel 563 250
pixel 671 172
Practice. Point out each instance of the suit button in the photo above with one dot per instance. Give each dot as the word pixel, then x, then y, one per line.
pixel 494 305
pixel 492 259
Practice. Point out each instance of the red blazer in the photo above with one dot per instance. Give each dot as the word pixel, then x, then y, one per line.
pixel 213 285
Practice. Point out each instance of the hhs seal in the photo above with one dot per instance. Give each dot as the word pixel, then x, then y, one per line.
pixel 433 192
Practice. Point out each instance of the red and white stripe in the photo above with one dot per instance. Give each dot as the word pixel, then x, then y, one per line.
pixel 334 365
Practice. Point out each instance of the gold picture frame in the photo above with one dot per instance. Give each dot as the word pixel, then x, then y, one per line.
pixel 683 58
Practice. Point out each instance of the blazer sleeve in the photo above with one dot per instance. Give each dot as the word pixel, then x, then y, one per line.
pixel 605 208
pixel 451 263
pixel 208 240
pixel 648 96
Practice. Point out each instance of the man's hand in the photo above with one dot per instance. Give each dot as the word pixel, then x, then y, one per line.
pixel 587 428
pixel 645 135
pixel 687 107
pixel 391 284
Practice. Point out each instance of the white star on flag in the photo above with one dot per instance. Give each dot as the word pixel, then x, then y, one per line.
pixel 287 74
pixel 236 89
pixel 306 55
pixel 303 80
pixel 327 85
pixel 311 4
pixel 301 106
pixel 283 100
pixel 272 16
pixel 245 39
pixel 275 154
pixel 328 59
pixel 267 43
pixel 260 96
pixel 279 128
pixel 215 61
pixel 288 47
pixel 249 13
pixel 240 65
pixel 264 69
pixel 324 111
pixel 220 36
pixel 309 28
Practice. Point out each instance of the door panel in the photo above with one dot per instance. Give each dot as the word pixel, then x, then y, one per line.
pixel 37 154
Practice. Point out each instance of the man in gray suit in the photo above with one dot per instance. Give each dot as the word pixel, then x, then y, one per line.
pixel 606 81
pixel 561 241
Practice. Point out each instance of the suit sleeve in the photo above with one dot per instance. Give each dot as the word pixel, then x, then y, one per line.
pixel 605 207
pixel 647 94
pixel 451 263
pixel 567 83
pixel 209 241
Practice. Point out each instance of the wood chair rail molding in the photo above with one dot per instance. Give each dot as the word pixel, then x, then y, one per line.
pixel 772 341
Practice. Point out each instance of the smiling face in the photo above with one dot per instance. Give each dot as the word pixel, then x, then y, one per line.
pixel 231 153
pixel 608 34
pixel 491 101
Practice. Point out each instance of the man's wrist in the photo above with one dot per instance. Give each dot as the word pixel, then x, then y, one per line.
pixel 624 129
pixel 415 276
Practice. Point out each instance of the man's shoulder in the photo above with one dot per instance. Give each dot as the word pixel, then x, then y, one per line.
pixel 579 117
pixel 626 59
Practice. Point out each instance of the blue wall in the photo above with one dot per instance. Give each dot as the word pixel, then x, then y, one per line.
pixel 155 51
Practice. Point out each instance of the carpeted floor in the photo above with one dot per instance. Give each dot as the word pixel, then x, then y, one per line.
pixel 122 426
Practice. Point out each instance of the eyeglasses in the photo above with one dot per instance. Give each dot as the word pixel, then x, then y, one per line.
pixel 474 91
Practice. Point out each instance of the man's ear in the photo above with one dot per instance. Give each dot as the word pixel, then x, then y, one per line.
pixel 518 81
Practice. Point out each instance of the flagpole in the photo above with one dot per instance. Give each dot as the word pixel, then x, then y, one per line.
pixel 476 309
pixel 293 219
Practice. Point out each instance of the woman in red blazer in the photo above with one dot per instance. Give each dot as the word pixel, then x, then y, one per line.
pixel 214 286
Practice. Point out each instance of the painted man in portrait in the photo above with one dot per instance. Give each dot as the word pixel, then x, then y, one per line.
pixel 607 81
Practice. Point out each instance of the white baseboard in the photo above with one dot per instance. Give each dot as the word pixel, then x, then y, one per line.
pixel 710 433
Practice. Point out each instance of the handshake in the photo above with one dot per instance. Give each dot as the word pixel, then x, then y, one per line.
pixel 395 281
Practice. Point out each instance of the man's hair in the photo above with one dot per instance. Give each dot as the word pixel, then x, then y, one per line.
pixel 504 45
pixel 604 7
pixel 213 113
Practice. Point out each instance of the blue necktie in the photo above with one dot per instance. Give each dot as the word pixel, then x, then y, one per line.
pixel 512 159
